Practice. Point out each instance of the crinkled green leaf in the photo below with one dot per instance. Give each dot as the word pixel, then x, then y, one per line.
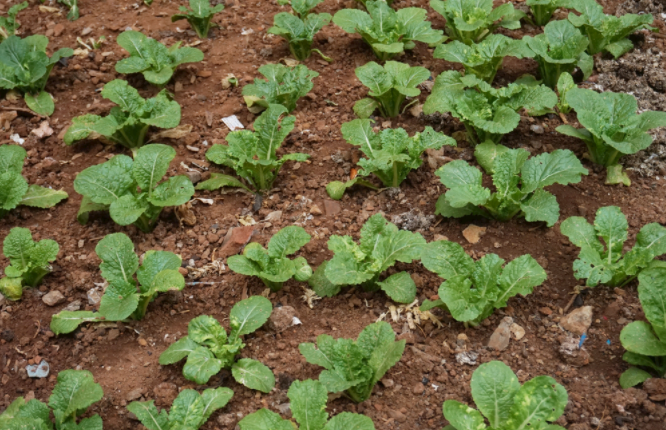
pixel 253 374
pixel 42 197
pixel 187 410
pixel 149 416
pixel 119 300
pixel 400 287
pixel 201 365
pixel 308 404
pixel 177 351
pixel 119 262
pixel 349 421
pixel 248 315
pixel 264 419
pixel 74 392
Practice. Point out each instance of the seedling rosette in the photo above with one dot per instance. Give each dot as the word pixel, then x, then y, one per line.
pixel 470 21
pixel 488 113
pixel 14 189
pixel 388 87
pixel 519 183
pixel 542 10
pixel 209 349
pixel 506 404
pixel 472 290
pixel 283 86
pixel 8 24
pixel 380 247
pixel 602 262
pixel 128 123
pixel 125 297
pixel 645 342
pixel 29 261
pixel 388 32
pixel 25 67
pixel 198 15
pixel 612 128
pixel 390 155
pixel 355 366
pixel 307 401
pixel 272 265
pixel 300 32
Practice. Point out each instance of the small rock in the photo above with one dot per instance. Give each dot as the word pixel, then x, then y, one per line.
pixel 502 335
pixel 416 110
pixel 314 210
pixel 284 409
pixel 134 394
pixel 182 271
pixel 73 306
pixel 53 298
pixel 418 389
pixel 86 31
pixel 43 131
pixel 578 320
pixel 518 331
pixel 142 342
pixel 205 73
pixel 113 334
pixel 194 175
pixel 388 383
pixel 40 370
pixel 655 386
pixel 473 233
pixel 226 420
pixel 536 129
pixel 332 207
pixel 94 296
pixel 571 354
pixel 546 311
pixel 281 318
pixel 235 239
pixel 58 29
pixel 467 357
pixel 274 216
pixel 397 415
pixel 192 148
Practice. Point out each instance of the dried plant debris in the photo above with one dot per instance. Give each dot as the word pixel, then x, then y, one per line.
pixel 411 314
pixel 640 6
pixel 413 220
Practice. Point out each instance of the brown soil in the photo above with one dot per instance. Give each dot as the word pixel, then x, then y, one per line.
pixel 125 363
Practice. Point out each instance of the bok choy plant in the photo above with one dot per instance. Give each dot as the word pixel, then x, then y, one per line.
pixel 299 29
pixel 199 16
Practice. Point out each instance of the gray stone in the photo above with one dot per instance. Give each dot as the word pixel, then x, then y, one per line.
pixel 502 335
pixel 53 298
pixel 578 320
pixel 281 318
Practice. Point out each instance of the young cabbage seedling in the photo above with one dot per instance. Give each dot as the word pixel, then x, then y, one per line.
pixel 600 264
pixel 389 86
pixel 29 261
pixel 612 128
pixel 155 61
pixel 381 246
pixel 370 356
pixel 519 184
pixel 130 189
pixel 488 113
pixel 208 348
pixel 272 265
pixel 645 342
pixel 75 391
pixel 564 84
pixel 8 24
pixel 189 411
pixel 283 86
pixel 26 68
pixel 472 290
pixel 198 16
pixel 307 400
pixel 125 297
pixel 542 10
pixel 607 33
pixel 14 189
pixel 300 32
pixel 128 123
pixel 73 6
pixel 253 154
pixel 390 155
pixel 388 32
pixel 506 404
pixel 483 59
pixel 560 48
pixel 470 21
pixel 302 8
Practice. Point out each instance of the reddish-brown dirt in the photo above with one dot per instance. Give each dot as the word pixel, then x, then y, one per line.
pixel 125 361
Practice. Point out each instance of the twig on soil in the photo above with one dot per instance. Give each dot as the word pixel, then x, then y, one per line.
pixel 39 328
pixel 571 301
pixel 20 352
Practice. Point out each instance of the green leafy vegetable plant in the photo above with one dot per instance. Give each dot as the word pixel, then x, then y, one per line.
pixel 388 32
pixel 470 21
pixel 390 155
pixel 198 15
pixel 25 67
pixel 485 58
pixel 389 86
pixel 600 264
pixel 542 10
pixel 29 261
pixel 129 121
pixel 299 29
pixel 381 246
pixel 487 113
pixel 253 154
pixel 308 407
pixel 208 348
pixel 355 366
pixel 75 391
pixel 8 24
pixel 272 265
pixel 612 128
pixel 14 189
pixel 560 48
pixel 125 297
pixel 363 2
pixel 506 404
pixel 564 84
pixel 189 411
pixel 607 33
pixel 73 6
pixel 472 290
pixel 519 184
pixel 283 86
pixel 645 342
pixel 130 189
pixel 302 8
pixel 155 61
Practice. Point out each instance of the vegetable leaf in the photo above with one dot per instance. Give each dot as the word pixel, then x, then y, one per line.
pixel 283 85
pixel 299 32
pixel 199 16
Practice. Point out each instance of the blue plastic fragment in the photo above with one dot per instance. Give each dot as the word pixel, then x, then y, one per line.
pixel 608 341
pixel 582 339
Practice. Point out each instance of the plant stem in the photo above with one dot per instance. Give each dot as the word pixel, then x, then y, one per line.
pixel 274 286
pixel 395 175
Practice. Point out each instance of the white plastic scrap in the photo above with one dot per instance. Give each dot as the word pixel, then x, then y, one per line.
pixel 16 139
pixel 40 370
pixel 296 321
pixel 232 122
